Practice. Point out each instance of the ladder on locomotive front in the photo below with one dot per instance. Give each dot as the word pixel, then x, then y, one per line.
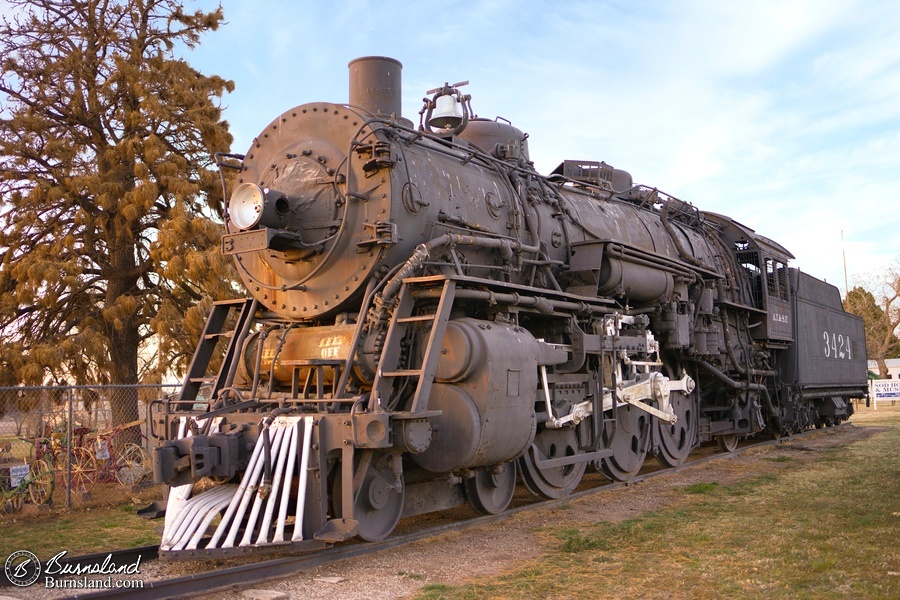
pixel 198 374
pixel 389 367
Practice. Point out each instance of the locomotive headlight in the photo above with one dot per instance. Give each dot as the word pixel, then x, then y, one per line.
pixel 245 208
pixel 251 206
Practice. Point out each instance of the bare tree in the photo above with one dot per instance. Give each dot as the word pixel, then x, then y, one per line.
pixel 878 303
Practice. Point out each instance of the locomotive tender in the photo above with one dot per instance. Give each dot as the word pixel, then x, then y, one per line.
pixel 430 322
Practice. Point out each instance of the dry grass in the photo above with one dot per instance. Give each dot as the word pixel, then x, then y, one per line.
pixel 887 414
pixel 105 522
pixel 824 525
pixel 813 528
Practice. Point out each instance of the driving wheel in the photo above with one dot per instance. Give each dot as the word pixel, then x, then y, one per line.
pixel 552 480
pixel 627 436
pixel 676 440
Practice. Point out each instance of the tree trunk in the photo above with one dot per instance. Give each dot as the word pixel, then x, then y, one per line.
pixel 123 401
pixel 124 340
pixel 882 368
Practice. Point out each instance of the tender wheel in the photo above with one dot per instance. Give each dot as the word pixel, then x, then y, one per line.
pixel 84 470
pixel 131 465
pixel 676 440
pixel 627 436
pixel 40 488
pixel 378 503
pixel 727 442
pixel 552 481
pixel 491 490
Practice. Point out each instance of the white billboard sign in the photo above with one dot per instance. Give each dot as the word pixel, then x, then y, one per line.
pixel 885 389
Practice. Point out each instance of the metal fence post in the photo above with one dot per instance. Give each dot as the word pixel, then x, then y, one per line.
pixel 69 436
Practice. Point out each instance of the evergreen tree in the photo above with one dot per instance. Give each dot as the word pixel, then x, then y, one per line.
pixel 111 205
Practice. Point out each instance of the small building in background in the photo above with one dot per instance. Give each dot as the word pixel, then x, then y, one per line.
pixel 893 365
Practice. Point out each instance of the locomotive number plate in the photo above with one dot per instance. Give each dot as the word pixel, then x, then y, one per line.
pixel 245 241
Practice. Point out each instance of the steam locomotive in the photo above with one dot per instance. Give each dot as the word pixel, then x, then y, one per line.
pixel 431 322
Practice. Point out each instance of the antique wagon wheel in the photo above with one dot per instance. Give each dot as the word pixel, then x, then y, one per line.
pixel 132 464
pixel 14 502
pixel 43 479
pixel 84 470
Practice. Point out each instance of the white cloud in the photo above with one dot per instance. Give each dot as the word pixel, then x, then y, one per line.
pixel 727 39
pixel 781 114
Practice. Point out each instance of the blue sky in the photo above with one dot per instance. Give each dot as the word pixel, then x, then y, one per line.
pixel 784 114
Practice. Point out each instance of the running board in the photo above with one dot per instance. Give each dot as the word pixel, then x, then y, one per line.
pixel 291 439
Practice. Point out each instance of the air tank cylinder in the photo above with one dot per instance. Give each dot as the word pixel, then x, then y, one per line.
pixel 484 387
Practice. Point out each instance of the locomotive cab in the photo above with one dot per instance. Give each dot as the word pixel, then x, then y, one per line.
pixel 764 266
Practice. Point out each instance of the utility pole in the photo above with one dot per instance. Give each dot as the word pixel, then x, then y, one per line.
pixel 844 252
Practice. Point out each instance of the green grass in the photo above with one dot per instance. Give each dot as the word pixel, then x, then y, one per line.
pixel 826 527
pixel 701 488
pixel 82 532
pixel 820 528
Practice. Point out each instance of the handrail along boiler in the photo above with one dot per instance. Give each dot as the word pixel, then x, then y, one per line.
pixel 430 322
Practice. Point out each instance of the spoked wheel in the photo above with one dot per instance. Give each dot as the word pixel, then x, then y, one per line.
pixel 14 502
pixel 627 436
pixel 676 440
pixel 132 465
pixel 491 490
pixel 727 442
pixel 378 503
pixel 40 488
pixel 84 470
pixel 551 481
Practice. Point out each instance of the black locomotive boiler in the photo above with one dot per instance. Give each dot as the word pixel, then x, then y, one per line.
pixel 431 322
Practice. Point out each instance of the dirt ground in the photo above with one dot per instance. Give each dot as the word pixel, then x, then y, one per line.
pixel 456 557
pixel 459 556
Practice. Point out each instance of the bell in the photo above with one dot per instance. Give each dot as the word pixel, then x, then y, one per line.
pixel 447 113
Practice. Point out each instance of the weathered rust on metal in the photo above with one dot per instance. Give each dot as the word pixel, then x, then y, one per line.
pixel 375 85
pixel 432 320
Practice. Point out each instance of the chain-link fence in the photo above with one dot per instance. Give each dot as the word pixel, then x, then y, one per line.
pixel 69 444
